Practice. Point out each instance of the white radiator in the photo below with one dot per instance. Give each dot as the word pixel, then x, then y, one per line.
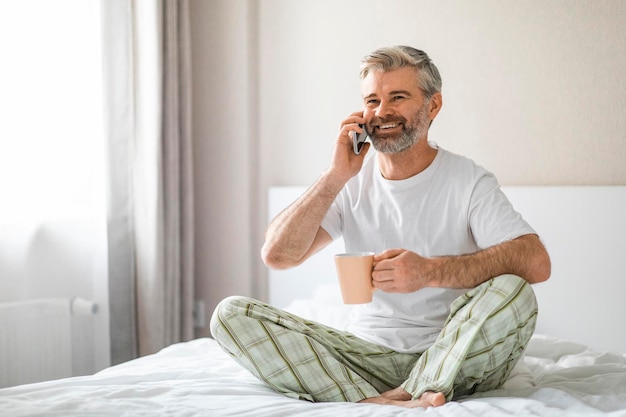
pixel 45 339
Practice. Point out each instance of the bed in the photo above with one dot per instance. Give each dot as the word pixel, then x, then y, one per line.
pixel 556 378
pixel 572 367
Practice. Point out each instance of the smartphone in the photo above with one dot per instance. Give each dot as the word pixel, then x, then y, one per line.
pixel 359 139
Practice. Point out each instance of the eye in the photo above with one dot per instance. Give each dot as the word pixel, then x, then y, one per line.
pixel 398 98
pixel 371 102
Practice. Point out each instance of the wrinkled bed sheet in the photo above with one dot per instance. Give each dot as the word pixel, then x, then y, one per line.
pixel 555 378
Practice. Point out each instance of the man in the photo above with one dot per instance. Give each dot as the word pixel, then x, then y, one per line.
pixel 454 262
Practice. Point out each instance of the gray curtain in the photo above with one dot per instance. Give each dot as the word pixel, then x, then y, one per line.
pixel 150 201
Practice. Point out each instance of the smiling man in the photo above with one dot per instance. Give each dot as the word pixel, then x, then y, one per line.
pixel 454 262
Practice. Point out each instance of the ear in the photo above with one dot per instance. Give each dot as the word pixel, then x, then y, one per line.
pixel 436 101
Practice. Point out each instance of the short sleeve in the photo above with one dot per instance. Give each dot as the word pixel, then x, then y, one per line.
pixel 332 222
pixel 492 218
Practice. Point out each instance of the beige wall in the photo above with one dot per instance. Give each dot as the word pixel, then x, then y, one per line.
pixel 533 90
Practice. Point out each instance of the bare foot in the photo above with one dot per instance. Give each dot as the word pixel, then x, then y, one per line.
pixel 399 397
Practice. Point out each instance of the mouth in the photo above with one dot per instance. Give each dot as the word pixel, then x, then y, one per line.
pixel 384 127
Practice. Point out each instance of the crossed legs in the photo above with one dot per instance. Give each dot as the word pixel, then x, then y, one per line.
pixel 486 333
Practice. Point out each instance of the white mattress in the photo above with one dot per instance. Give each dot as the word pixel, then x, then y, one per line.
pixel 555 378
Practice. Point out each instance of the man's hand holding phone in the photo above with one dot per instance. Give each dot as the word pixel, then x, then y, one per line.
pixel 350 148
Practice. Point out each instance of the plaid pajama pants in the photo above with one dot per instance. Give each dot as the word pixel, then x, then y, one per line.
pixel 485 335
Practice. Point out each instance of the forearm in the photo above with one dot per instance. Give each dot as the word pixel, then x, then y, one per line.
pixel 291 236
pixel 295 234
pixel 524 256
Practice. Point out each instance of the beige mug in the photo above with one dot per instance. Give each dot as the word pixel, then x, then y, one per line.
pixel 354 270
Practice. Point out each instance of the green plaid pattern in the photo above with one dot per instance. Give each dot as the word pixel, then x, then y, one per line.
pixel 484 336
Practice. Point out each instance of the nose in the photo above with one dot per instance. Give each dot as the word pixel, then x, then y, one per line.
pixel 383 109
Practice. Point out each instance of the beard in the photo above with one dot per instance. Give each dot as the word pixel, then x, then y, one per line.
pixel 411 132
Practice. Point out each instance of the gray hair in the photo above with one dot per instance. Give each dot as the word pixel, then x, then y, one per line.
pixel 396 57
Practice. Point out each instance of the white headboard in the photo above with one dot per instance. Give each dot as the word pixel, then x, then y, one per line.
pixel 584 230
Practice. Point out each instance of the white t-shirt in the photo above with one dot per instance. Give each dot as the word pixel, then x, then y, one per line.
pixel 453 207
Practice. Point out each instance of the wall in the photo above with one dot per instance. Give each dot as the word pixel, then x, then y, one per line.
pixel 533 90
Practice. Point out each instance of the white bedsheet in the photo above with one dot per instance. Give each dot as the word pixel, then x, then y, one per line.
pixel 555 378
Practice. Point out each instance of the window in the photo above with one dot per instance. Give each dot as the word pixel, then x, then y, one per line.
pixel 52 159
pixel 51 140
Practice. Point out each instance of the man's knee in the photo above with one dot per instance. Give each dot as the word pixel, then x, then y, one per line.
pixel 228 308
pixel 502 293
pixel 509 280
pixel 517 303
pixel 517 287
